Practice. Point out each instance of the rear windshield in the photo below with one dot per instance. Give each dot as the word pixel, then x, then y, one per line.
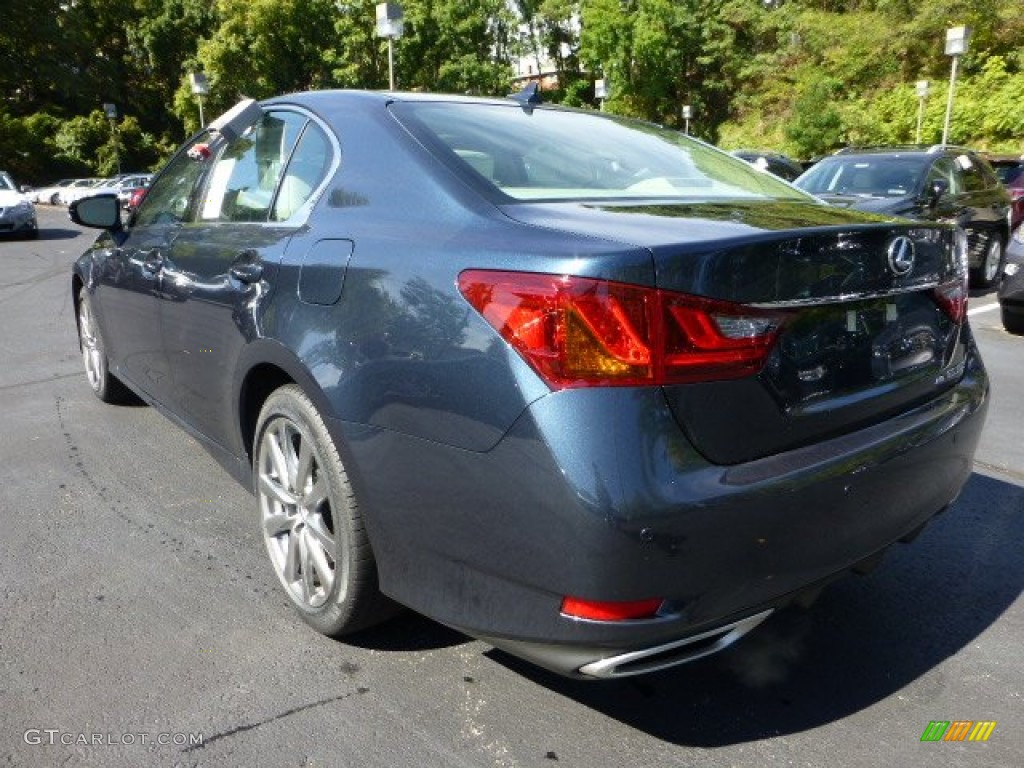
pixel 560 155
pixel 882 176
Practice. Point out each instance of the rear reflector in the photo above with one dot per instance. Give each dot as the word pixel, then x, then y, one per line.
pixel 596 610
pixel 584 332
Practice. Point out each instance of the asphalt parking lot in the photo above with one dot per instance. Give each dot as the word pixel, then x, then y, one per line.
pixel 140 623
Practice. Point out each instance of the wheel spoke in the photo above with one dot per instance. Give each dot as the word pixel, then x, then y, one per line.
pixel 308 573
pixel 272 487
pixel 290 569
pixel 277 456
pixel 320 535
pixel 319 563
pixel 316 495
pixel 275 525
pixel 304 467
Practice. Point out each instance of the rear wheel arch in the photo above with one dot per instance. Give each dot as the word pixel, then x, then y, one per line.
pixel 266 366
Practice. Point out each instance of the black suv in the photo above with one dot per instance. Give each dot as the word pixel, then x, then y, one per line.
pixel 940 183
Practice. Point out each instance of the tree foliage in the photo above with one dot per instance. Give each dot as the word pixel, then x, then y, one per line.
pixel 803 76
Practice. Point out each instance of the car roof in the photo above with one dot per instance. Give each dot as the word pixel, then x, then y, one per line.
pixel 905 150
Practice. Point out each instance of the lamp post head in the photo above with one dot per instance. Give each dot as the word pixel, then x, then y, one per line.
pixel 956 40
pixel 200 86
pixel 922 88
pixel 390 21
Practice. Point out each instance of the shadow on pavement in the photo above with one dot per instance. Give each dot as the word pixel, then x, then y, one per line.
pixel 57 233
pixel 864 639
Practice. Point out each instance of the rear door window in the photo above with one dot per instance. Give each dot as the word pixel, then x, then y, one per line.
pixel 244 179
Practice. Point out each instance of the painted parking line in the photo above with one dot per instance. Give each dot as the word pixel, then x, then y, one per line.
pixel 985 308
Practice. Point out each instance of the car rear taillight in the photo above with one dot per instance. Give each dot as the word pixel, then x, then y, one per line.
pixel 585 332
pixel 952 299
pixel 602 610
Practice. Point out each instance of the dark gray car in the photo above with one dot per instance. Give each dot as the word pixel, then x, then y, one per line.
pixel 584 387
pixel 939 183
pixel 1011 290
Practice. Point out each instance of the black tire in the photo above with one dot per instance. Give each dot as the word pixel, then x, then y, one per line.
pixel 105 385
pixel 991 268
pixel 1012 322
pixel 311 524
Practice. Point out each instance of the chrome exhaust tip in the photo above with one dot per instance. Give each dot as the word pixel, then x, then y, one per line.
pixel 672 654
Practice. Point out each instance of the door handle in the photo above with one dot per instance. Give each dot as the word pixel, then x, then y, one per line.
pixel 153 262
pixel 246 267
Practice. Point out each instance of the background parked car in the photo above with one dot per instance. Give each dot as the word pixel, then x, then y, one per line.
pixel 583 387
pixel 940 183
pixel 130 186
pixel 135 199
pixel 47 195
pixel 77 189
pixel 122 186
pixel 1010 171
pixel 1011 290
pixel 774 162
pixel 17 213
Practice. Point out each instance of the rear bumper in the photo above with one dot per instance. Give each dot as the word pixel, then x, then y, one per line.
pixel 596 494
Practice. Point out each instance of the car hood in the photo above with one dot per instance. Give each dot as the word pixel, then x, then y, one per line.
pixel 895 206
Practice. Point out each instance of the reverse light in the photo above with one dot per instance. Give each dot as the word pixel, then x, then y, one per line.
pixel 583 332
pixel 597 610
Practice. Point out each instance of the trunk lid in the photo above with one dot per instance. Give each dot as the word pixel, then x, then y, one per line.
pixel 874 312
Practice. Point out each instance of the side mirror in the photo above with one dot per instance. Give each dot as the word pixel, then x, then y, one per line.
pixel 99 211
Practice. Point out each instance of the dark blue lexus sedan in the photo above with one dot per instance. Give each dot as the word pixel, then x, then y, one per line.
pixel 577 385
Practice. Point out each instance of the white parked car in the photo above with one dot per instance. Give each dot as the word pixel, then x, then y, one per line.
pixel 48 195
pixel 122 186
pixel 17 213
pixel 77 189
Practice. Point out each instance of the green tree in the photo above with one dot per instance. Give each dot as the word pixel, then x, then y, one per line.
pixel 262 48
pixel 661 54
pixel 460 46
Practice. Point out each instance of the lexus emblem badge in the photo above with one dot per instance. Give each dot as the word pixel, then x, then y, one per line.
pixel 901 255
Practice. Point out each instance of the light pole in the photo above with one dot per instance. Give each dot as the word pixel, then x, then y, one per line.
pixel 687 116
pixel 922 95
pixel 601 91
pixel 200 87
pixel 389 25
pixel 111 112
pixel 956 46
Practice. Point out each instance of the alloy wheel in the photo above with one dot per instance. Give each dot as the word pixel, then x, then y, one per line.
pixel 92 351
pixel 298 524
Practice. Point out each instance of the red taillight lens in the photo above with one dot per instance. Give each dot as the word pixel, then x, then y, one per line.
pixel 952 299
pixel 579 332
pixel 596 610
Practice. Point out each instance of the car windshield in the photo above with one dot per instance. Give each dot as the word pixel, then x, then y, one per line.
pixel 556 155
pixel 882 176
